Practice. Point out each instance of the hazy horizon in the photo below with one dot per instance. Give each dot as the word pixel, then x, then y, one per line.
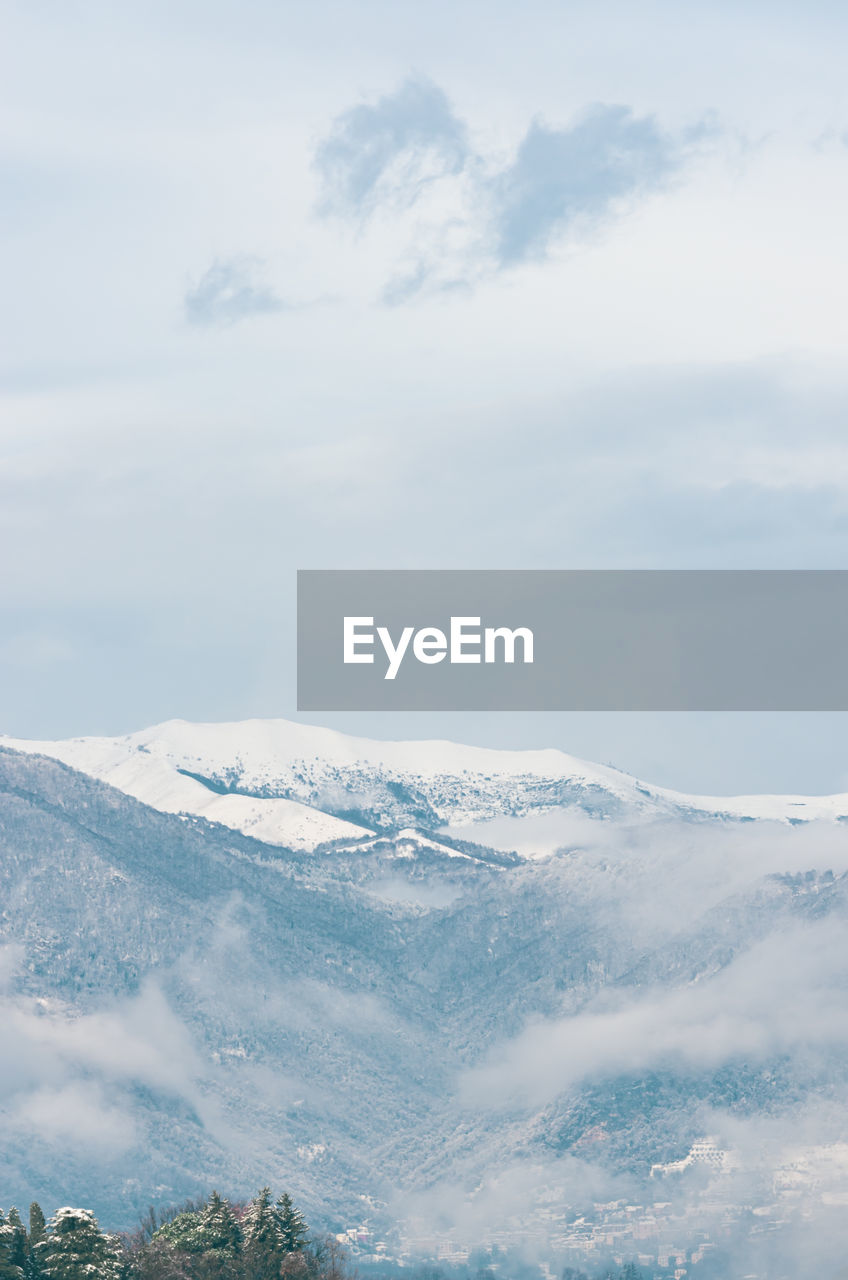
pixel 391 287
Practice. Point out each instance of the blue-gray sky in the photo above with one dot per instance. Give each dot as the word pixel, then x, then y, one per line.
pixel 394 285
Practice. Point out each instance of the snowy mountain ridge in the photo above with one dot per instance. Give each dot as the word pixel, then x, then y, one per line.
pixel 301 786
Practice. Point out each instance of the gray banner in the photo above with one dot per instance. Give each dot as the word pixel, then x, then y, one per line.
pixel 573 640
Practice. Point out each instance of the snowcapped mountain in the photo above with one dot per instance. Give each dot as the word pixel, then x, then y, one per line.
pixel 238 954
pixel 304 787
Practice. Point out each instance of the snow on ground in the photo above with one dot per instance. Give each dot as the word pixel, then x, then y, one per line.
pixel 155 779
pixel 303 770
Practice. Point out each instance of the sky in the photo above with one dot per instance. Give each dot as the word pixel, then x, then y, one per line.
pixel 402 286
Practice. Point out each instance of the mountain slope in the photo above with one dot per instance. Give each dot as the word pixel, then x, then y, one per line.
pixel 398 1028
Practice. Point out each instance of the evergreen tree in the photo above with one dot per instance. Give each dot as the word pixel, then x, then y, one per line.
pixel 183 1232
pixel 12 1246
pixel 293 1230
pixel 260 1222
pixel 37 1233
pixel 76 1249
pixel 37 1225
pixel 219 1227
pixel 14 1221
pixel 263 1248
pixel 212 1236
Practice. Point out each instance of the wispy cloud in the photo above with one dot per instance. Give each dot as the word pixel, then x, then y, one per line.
pixel 80 1113
pixel 471 1203
pixel 390 150
pixel 477 215
pixel 575 178
pixel 782 997
pixel 230 291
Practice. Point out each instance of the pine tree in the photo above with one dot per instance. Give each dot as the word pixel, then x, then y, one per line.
pixel 263 1248
pixel 293 1230
pixel 37 1233
pixel 37 1224
pixel 182 1232
pixel 260 1222
pixel 218 1225
pixel 76 1249
pixel 12 1246
pixel 211 1230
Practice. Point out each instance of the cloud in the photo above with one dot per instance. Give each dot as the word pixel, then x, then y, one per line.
pixel 72 1115
pixel 470 1203
pixel 137 1041
pixel 389 151
pixel 71 1080
pixel 475 215
pixel 575 178
pixel 11 959
pixel 539 835
pixel 784 996
pixel 230 291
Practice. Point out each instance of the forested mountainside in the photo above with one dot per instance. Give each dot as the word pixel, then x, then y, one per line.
pixel 400 1027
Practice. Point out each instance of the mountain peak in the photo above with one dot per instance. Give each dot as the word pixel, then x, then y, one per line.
pixel 304 786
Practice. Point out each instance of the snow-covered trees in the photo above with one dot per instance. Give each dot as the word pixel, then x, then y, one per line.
pixel 292 1228
pixel 274 1235
pixel 75 1248
pixel 264 1241
pixel 260 1222
pixel 13 1246
pixel 206 1240
pixel 219 1228
pixel 212 1229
